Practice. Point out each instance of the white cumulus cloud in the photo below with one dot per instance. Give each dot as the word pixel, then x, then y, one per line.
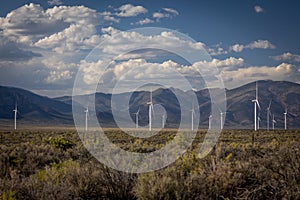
pixel 287 57
pixel 61 28
pixel 237 47
pixel 165 13
pixel 124 41
pixel 232 70
pixel 158 15
pixel 216 50
pixel 129 10
pixel 72 39
pixel 281 72
pixel 171 10
pixel 29 23
pixel 258 9
pixel 54 2
pixel 145 21
pixel 259 44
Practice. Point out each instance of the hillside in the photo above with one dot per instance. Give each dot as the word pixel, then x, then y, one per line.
pixel 33 108
pixel 39 109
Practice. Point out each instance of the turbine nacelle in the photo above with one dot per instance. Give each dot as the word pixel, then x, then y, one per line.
pixel 256 102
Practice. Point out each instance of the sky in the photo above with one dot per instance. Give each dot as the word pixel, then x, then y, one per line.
pixel 43 44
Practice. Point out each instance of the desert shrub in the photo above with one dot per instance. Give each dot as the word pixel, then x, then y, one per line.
pixel 273 175
pixel 74 180
pixel 169 183
pixel 33 167
pixel 61 143
pixel 25 158
pixel 9 195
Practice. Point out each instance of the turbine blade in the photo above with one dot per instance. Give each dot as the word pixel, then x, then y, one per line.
pixel 270 104
pixel 256 89
pixel 257 104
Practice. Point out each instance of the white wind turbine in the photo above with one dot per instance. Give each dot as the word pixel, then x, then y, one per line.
pixel 285 113
pixel 209 121
pixel 192 114
pixel 15 116
pixel 150 103
pixel 163 120
pixel 255 101
pixel 273 122
pixel 268 115
pixel 86 118
pixel 258 121
pixel 137 118
pixel 221 118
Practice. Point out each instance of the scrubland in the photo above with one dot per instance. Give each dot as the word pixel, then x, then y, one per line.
pixel 53 164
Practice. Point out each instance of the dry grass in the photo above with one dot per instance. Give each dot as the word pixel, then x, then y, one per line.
pixel 53 164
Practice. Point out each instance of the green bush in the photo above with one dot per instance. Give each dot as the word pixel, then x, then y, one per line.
pixel 61 143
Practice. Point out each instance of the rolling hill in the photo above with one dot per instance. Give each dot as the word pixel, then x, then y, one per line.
pixel 33 108
pixel 36 109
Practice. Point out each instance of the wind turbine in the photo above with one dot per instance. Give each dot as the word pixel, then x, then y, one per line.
pixel 221 118
pixel 193 114
pixel 15 116
pixel 273 121
pixel 258 120
pixel 150 103
pixel 209 121
pixel 268 115
pixel 163 121
pixel 86 118
pixel 255 101
pixel 285 113
pixel 137 118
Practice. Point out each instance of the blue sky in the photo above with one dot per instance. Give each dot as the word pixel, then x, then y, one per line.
pixel 247 40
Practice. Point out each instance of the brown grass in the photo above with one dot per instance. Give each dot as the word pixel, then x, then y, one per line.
pixel 53 164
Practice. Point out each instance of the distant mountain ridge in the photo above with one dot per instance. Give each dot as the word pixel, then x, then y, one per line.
pixel 33 107
pixel 54 111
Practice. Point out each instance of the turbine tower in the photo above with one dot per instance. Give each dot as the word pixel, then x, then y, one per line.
pixel 258 121
pixel 221 120
pixel 163 121
pixel 15 116
pixel 255 101
pixel 193 114
pixel 86 118
pixel 268 115
pixel 222 117
pixel 150 103
pixel 137 118
pixel 209 121
pixel 273 122
pixel 285 113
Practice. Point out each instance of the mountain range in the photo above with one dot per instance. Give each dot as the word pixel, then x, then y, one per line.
pixel 44 111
